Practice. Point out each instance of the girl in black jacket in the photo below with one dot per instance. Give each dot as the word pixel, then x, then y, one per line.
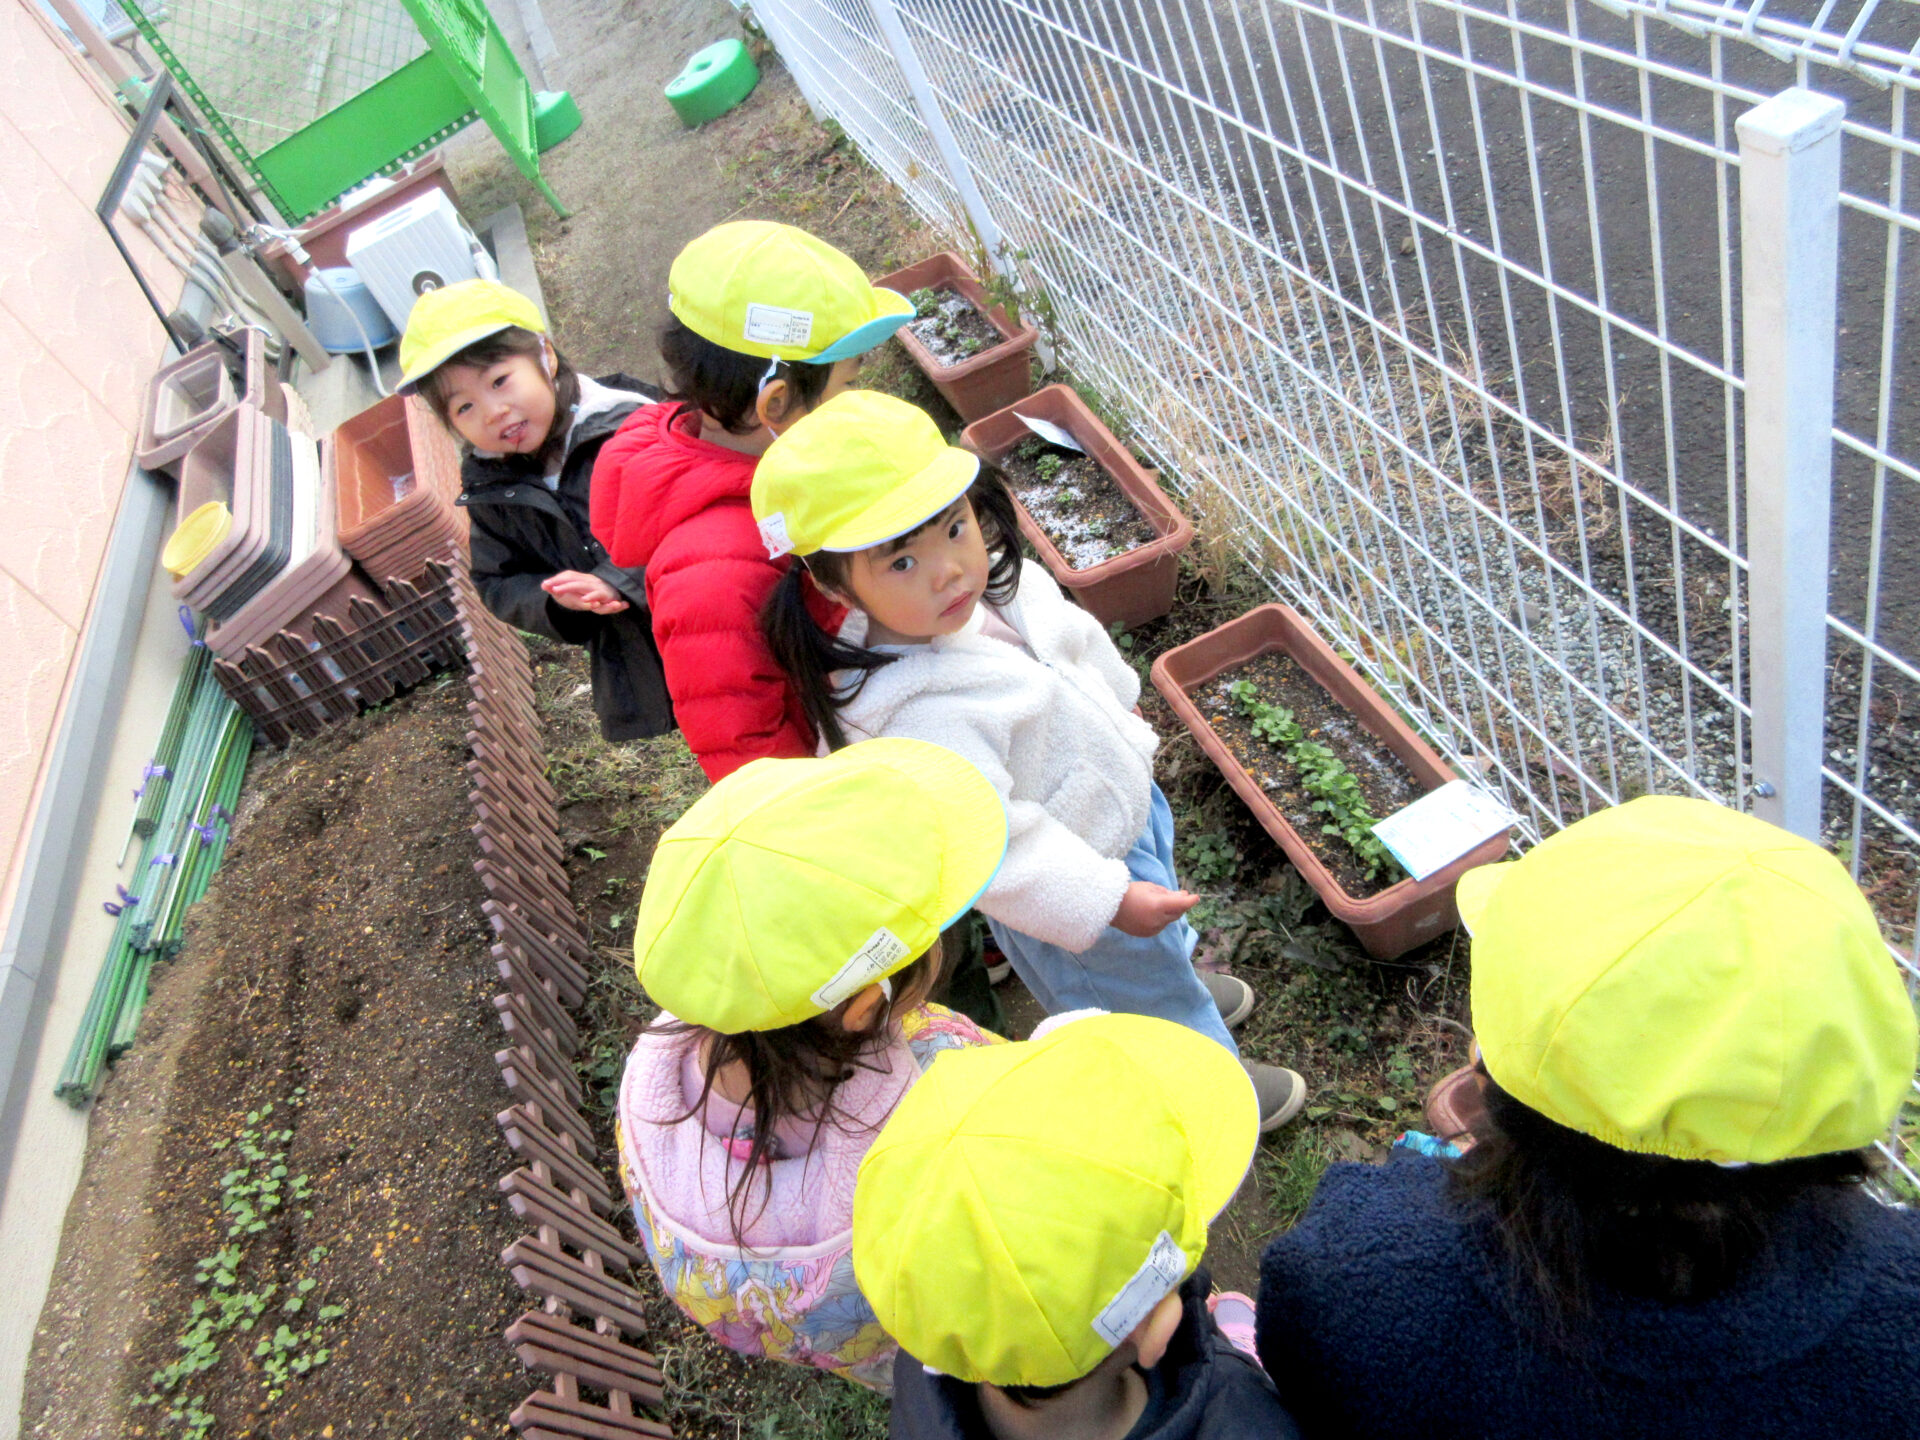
pixel 477 353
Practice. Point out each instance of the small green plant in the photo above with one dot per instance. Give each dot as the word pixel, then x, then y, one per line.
pixel 1048 467
pixel 1336 793
pixel 1211 858
pixel 925 301
pixel 250 1195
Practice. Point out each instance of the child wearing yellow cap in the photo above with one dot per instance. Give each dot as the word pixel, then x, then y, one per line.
pixel 768 322
pixel 952 639
pixel 790 932
pixel 1692 1035
pixel 1029 1227
pixel 479 355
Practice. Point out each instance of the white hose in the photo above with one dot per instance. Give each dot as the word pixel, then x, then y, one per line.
pixel 300 255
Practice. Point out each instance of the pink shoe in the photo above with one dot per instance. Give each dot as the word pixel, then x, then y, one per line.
pixel 1233 1313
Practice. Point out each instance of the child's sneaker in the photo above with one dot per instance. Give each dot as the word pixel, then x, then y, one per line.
pixel 998 966
pixel 1231 995
pixel 1233 1316
pixel 1282 1093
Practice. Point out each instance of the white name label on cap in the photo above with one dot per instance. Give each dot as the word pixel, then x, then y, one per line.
pixel 777 325
pixel 1165 1267
pixel 881 953
pixel 773 535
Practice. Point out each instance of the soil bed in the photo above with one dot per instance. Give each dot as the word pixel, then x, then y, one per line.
pixel 338 971
pixel 1386 783
pixel 953 329
pixel 1087 517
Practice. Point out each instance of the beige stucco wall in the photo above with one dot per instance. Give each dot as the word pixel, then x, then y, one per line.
pixel 77 342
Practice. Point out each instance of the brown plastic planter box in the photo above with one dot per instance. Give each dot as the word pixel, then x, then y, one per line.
pixel 1131 588
pixel 1397 918
pixel 392 519
pixel 984 383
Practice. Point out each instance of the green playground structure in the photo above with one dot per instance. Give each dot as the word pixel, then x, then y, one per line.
pixel 313 97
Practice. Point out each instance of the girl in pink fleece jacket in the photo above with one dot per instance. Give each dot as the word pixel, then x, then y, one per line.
pixel 792 942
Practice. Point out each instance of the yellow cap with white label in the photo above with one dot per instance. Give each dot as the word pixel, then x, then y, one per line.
pixel 792 885
pixel 760 288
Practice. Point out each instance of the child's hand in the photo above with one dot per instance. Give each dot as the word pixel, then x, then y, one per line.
pixel 1147 908
pixel 574 590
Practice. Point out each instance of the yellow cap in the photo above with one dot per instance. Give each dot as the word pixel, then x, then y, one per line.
pixel 444 322
pixel 1027 1205
pixel 794 884
pixel 770 290
pixel 861 469
pixel 1676 978
pixel 195 538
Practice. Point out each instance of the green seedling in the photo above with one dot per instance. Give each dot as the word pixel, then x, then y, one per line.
pixel 1335 791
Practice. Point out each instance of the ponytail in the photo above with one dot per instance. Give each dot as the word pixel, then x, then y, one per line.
pixel 810 656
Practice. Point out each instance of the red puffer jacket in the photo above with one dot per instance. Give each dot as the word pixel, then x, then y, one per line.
pixel 665 499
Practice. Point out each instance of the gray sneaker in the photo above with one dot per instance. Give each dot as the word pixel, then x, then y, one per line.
pixel 1232 995
pixel 1281 1092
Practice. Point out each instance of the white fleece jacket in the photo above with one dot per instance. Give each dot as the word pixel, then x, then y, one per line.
pixel 1055 734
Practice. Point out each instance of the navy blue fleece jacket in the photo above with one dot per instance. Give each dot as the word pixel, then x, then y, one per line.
pixel 1382 1315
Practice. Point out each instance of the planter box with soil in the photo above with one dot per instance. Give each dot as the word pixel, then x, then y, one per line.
pixel 976 357
pixel 1275 651
pixel 1104 528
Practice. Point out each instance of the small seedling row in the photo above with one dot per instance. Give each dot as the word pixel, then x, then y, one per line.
pixel 1085 514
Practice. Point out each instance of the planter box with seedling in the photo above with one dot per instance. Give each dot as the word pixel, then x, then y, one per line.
pixel 977 358
pixel 1318 756
pixel 1100 521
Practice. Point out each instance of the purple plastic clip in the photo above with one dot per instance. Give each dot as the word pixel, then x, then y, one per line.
pixel 186 623
pixel 151 771
pixel 167 859
pixel 127 901
pixel 206 832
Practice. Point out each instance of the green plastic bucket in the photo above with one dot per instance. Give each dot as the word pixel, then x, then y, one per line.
pixel 715 80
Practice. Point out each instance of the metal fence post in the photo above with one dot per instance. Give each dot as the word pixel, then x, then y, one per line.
pixel 958 170
pixel 1789 256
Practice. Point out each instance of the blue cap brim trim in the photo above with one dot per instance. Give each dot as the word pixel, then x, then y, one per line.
pixel 865 337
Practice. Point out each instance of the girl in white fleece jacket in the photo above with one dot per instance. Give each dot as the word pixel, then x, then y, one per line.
pixel 951 639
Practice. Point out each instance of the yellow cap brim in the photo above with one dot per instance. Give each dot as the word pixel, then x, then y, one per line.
pixel 433 358
pixel 1474 892
pixel 910 505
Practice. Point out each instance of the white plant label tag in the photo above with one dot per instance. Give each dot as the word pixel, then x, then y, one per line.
pixel 1164 1268
pixel 777 325
pixel 881 953
pixel 1051 433
pixel 1441 826
pixel 773 535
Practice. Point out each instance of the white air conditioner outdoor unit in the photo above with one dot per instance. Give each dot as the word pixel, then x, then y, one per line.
pixel 421 246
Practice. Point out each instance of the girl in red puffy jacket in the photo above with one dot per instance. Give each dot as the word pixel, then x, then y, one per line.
pixel 768 322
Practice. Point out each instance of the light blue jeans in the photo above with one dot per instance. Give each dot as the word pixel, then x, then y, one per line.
pixel 1133 975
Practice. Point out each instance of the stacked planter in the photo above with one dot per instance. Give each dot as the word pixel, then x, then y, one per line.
pixel 1129 589
pixel 983 383
pixel 390 521
pixel 1397 918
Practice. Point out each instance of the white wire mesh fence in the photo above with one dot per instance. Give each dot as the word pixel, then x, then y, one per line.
pixel 1433 307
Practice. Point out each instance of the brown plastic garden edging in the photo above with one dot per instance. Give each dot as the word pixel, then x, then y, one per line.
pixel 1399 917
pixel 574 1263
pixel 983 383
pixel 1129 589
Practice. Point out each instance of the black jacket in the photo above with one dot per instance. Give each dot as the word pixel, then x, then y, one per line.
pixel 523 532
pixel 1385 1313
pixel 1202 1389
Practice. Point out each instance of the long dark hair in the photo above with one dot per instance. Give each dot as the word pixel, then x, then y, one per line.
pixel 810 656
pixel 1572 1211
pixel 437 390
pixel 792 1074
pixel 725 383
